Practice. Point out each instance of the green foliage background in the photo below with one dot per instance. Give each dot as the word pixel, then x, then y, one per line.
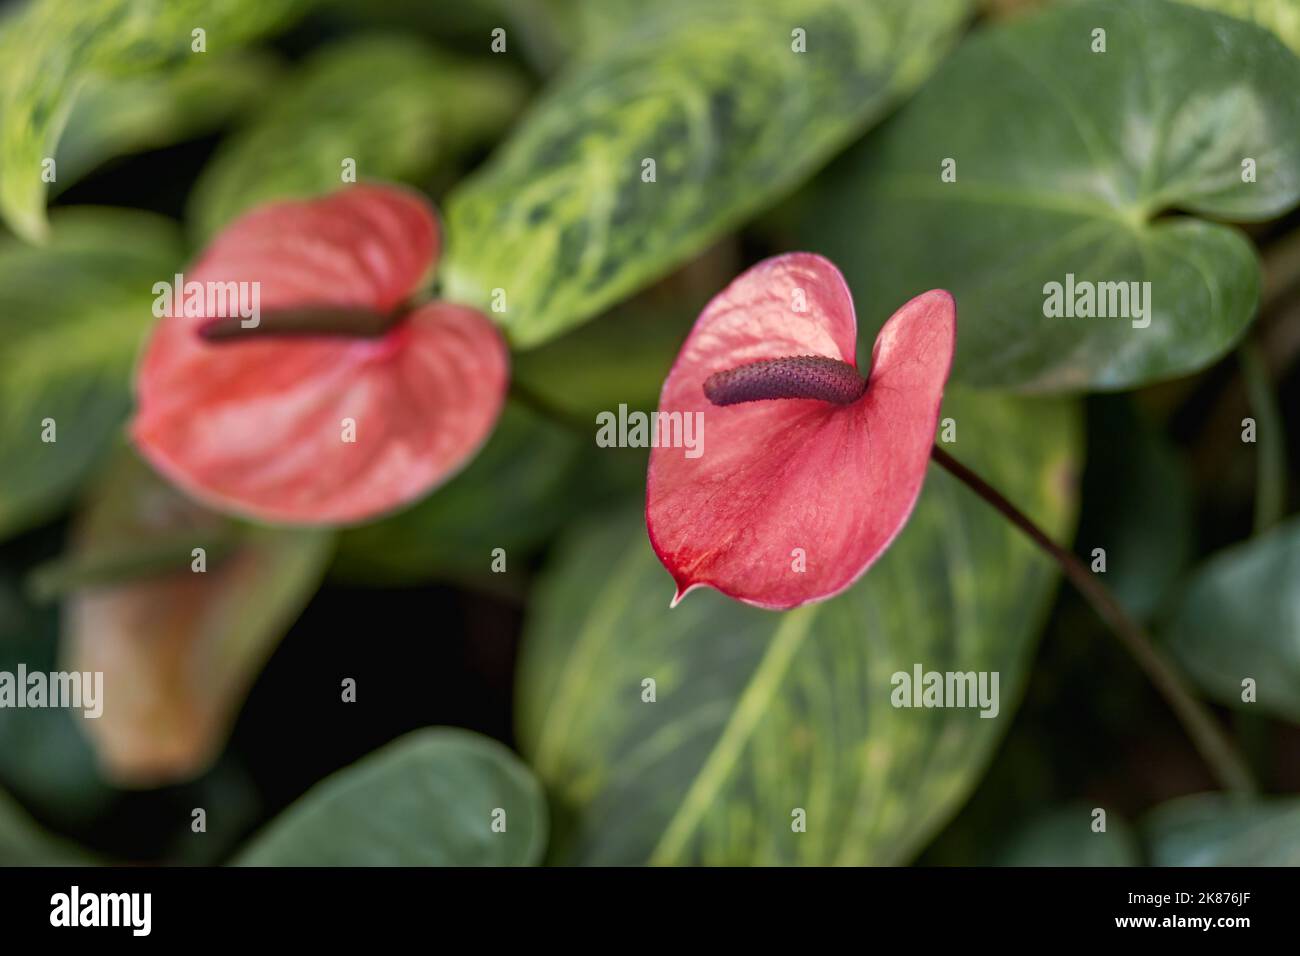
pixel 1116 165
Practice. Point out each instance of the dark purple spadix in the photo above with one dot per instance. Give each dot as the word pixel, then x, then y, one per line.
pixel 796 376
pixel 345 321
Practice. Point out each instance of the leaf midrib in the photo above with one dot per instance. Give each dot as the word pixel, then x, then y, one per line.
pixel 750 708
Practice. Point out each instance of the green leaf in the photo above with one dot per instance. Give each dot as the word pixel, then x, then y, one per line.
pixel 72 316
pixel 396 106
pixel 1240 618
pixel 55 51
pixel 512 495
pixel 23 842
pixel 623 357
pixel 146 112
pixel 588 26
pixel 561 219
pixel 1064 837
pixel 1066 161
pixel 1138 505
pixel 758 713
pixel 1215 829
pixel 179 647
pixel 1270 459
pixel 430 798
pixel 1280 16
pixel 45 759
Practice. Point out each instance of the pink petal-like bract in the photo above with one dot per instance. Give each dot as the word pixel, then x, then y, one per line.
pixel 321 429
pixel 790 500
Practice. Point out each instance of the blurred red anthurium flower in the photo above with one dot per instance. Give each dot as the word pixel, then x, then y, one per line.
pixel 340 400
pixel 809 471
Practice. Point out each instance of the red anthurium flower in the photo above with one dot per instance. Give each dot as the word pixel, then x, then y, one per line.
pixel 808 471
pixel 340 401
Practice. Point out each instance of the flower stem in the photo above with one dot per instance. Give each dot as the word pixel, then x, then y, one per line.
pixel 1214 745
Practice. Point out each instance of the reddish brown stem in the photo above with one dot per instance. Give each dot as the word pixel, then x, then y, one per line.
pixel 1214 745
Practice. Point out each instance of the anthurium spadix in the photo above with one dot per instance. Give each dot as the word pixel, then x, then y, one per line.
pixel 290 378
pixel 810 468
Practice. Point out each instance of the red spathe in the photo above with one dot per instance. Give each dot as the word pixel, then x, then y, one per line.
pixel 261 427
pixel 794 499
